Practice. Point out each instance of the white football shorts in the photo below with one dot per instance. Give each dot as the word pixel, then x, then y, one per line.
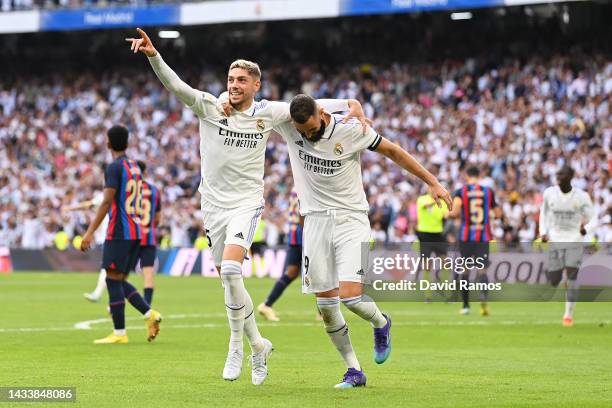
pixel 225 226
pixel 332 245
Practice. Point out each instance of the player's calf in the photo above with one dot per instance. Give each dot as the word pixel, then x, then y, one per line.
pixel 337 330
pixel 116 301
pixel 365 307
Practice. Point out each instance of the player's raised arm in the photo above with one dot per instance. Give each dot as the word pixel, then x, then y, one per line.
pixel 166 75
pixel 405 160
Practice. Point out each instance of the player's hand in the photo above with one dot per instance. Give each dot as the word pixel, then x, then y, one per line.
pixel 227 109
pixel 142 44
pixel 86 242
pixel 582 230
pixel 356 111
pixel 223 104
pixel 544 238
pixel 440 193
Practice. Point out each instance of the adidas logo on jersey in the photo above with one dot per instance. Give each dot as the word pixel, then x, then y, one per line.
pixel 300 143
pixel 239 235
pixel 223 122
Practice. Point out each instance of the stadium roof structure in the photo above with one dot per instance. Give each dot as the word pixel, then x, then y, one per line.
pixel 216 12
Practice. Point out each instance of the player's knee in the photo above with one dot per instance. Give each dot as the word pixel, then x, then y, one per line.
pixel 554 278
pixel 293 271
pixel 350 289
pixel 233 252
pixel 572 273
pixel 113 274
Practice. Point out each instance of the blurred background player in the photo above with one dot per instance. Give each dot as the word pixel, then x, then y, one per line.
pixel 150 216
pixel 232 152
pixel 122 189
pixel 325 160
pixel 473 203
pixel 99 238
pixel 429 230
pixel 294 260
pixel 566 217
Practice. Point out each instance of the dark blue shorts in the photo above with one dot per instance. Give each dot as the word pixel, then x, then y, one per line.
pixel 147 255
pixel 120 255
pixel 475 250
pixel 294 255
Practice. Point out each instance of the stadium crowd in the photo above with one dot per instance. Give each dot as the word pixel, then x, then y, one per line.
pixel 518 120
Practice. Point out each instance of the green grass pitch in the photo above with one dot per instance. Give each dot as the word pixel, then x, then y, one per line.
pixel 520 356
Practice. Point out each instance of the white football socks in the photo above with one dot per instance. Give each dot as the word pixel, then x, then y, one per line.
pixel 337 329
pixel 572 294
pixel 231 275
pixel 250 325
pixel 101 285
pixel 365 307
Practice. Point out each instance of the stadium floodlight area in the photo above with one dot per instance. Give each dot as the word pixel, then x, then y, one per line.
pixel 228 11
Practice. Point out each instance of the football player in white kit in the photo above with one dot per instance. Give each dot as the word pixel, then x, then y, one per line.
pixel 566 216
pixel 99 237
pixel 232 150
pixel 325 159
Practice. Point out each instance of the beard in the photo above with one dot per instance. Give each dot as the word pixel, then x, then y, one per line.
pixel 317 136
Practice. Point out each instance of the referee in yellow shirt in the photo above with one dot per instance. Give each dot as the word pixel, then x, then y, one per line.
pixel 430 225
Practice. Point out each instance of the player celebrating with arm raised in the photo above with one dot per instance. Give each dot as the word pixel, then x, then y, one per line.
pixel 232 150
pixel 325 159
pixel 562 222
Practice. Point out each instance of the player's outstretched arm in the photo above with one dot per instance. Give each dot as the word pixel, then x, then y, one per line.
pixel 109 195
pixel 166 75
pixel 78 206
pixel 405 160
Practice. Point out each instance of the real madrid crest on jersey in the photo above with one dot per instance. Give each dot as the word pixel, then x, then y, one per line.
pixel 260 125
pixel 338 149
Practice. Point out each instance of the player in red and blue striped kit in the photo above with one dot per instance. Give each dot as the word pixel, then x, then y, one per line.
pixel 474 204
pixel 122 196
pixel 150 216
pixel 294 259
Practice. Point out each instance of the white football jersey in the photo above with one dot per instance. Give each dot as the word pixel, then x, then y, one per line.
pixel 327 173
pixel 100 234
pixel 232 149
pixel 562 214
